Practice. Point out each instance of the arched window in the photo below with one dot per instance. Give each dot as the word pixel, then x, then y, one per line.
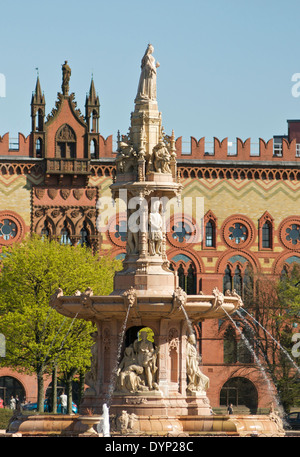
pixel 266 235
pixel 210 234
pixel 45 230
pixel 227 279
pixel 84 236
pixel 186 272
pixel 93 148
pixel 10 386
pixel 38 147
pixel 237 280
pixel 241 393
pixel 65 235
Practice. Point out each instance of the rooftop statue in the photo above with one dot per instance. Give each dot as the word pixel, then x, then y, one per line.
pixel 66 70
pixel 147 83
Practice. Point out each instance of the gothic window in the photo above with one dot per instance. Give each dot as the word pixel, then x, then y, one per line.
pixel 227 279
pixel 266 235
pixel 93 147
pixel 66 143
pixel 237 280
pixel 11 228
pixel 84 236
pixel 65 235
pixel 186 272
pixel 238 275
pixel 38 147
pixel 45 231
pixel 210 234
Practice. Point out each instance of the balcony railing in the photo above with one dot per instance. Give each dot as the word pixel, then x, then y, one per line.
pixel 68 166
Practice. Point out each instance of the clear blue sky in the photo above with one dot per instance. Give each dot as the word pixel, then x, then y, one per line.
pixel 226 66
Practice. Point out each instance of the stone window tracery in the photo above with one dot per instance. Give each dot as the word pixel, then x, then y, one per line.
pixel 289 233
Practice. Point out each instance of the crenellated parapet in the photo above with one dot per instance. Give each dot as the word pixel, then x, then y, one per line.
pixel 273 150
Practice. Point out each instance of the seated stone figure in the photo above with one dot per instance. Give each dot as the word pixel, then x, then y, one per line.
pixel 126 160
pixel 161 158
pixel 138 368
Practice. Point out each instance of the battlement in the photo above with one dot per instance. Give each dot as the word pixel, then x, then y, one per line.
pixel 276 149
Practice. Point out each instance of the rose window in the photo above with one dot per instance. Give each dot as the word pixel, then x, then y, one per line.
pixel 8 229
pixel 293 234
pixel 181 232
pixel 238 233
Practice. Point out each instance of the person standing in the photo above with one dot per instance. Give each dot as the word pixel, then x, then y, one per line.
pixel 230 409
pixel 12 403
pixel 64 402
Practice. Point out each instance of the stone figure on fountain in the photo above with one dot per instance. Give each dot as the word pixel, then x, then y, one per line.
pixel 198 382
pixel 155 230
pixel 126 160
pixel 137 370
pixel 161 158
pixel 147 83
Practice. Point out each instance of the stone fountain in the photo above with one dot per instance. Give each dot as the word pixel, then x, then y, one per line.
pixel 145 365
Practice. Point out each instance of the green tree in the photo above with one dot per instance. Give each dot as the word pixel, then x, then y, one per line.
pixel 38 339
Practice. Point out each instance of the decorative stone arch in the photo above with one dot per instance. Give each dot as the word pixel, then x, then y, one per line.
pixel 185 260
pixel 227 255
pixel 45 221
pixel 285 260
pixel 289 233
pixel 238 231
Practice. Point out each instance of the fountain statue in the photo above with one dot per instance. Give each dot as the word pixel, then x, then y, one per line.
pixel 145 365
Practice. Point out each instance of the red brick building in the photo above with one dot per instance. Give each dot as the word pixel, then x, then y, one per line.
pixel 51 180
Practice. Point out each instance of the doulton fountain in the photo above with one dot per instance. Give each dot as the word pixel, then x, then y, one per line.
pixel 145 366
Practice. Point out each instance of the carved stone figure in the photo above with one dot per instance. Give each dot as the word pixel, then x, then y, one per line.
pixel 146 357
pixel 132 245
pixel 198 382
pixel 138 368
pixel 66 70
pixel 129 372
pixel 126 160
pixel 147 84
pixel 161 158
pixel 155 230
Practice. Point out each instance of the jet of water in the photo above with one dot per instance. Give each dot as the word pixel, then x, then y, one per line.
pixel 257 361
pixel 113 377
pixel 277 342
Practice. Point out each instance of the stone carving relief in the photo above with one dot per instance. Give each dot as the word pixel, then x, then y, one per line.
pixel 125 423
